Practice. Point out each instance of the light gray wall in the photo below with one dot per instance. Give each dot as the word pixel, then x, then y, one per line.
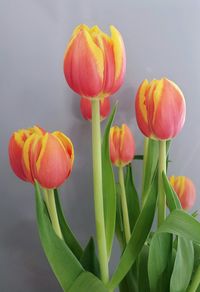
pixel 161 38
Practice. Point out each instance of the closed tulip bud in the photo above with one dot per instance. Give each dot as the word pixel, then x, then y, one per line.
pixel 86 108
pixel 94 63
pixel 122 145
pixel 160 109
pixel 15 149
pixel 185 190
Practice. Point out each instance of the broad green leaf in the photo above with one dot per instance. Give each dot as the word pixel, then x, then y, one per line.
pixel 132 197
pixel 183 266
pixel 181 224
pixel 159 256
pixel 64 264
pixel 143 279
pixel 119 228
pixel 89 260
pixel 87 282
pixel 138 237
pixel 129 283
pixel 109 191
pixel 68 235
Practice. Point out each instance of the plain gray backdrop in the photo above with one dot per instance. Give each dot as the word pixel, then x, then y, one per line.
pixel 161 39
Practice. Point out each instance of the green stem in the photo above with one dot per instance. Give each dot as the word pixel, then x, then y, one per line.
pixel 195 281
pixel 53 213
pixel 146 143
pixel 124 206
pixel 98 191
pixel 161 192
pixel 46 197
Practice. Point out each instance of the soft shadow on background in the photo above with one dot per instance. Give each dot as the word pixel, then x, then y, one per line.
pixel 161 39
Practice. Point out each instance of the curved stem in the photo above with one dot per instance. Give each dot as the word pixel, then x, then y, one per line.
pixel 146 143
pixel 195 281
pixel 53 213
pixel 161 192
pixel 124 205
pixel 46 197
pixel 98 191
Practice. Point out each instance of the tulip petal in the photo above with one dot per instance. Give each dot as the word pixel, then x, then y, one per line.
pixel 83 61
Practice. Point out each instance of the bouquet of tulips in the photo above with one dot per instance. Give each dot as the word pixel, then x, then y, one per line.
pixel 166 259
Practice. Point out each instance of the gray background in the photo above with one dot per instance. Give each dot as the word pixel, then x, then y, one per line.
pixel 161 38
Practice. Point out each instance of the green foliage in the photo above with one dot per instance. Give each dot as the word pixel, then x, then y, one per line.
pixel 89 259
pixel 109 191
pixel 68 235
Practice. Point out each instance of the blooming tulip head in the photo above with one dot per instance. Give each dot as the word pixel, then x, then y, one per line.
pixel 86 108
pixel 94 63
pixel 185 190
pixel 160 109
pixel 37 155
pixel 122 145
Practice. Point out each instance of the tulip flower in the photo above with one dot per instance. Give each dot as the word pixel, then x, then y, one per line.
pixel 86 108
pixel 38 155
pixel 160 109
pixel 94 63
pixel 185 190
pixel 122 145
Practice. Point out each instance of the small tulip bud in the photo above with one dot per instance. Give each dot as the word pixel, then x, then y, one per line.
pixel 122 145
pixel 185 190
pixel 94 63
pixel 86 108
pixel 160 109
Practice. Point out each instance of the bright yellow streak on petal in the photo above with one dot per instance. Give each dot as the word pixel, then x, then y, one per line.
pixel 172 180
pixel 42 151
pixel 142 105
pixel 25 152
pixel 181 185
pixel 65 142
pixel 118 49
pixel 158 85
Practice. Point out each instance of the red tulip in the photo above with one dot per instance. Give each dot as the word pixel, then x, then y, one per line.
pixel 45 157
pixel 122 145
pixel 86 108
pixel 160 109
pixel 94 63
pixel 185 190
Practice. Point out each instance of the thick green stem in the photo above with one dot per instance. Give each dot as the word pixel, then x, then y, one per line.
pixel 195 281
pixel 46 197
pixel 98 191
pixel 146 142
pixel 161 192
pixel 124 206
pixel 53 213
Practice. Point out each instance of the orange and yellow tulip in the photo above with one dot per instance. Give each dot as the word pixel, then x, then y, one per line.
pixel 185 190
pixel 37 155
pixel 160 109
pixel 94 63
pixel 122 145
pixel 86 108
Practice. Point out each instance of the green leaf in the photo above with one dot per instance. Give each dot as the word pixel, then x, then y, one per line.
pixel 132 197
pixel 138 237
pixel 183 266
pixel 159 255
pixel 119 228
pixel 87 282
pixel 181 224
pixel 68 235
pixel 138 157
pixel 143 280
pixel 89 260
pixel 109 191
pixel 64 264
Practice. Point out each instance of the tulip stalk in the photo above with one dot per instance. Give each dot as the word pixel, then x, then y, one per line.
pixel 146 143
pixel 124 206
pixel 161 192
pixel 51 206
pixel 98 191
